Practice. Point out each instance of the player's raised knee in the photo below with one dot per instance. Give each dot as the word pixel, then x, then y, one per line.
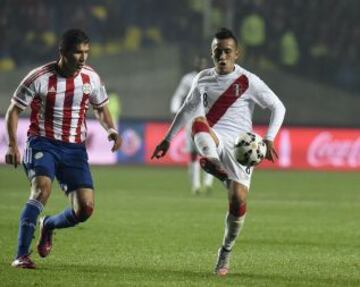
pixel 200 125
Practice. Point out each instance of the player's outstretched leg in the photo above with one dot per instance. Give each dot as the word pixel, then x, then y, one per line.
pixel 234 222
pixel 27 226
pixel 82 208
pixel 44 244
pixel 65 219
pixel 222 265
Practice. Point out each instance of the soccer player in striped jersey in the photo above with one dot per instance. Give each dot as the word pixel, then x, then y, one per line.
pixel 59 94
pixel 220 105
pixel 177 100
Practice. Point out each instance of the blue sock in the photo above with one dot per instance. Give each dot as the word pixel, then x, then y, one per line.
pixel 65 219
pixel 27 226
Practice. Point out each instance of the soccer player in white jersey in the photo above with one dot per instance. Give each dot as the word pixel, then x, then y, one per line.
pixel 220 106
pixel 177 100
pixel 59 94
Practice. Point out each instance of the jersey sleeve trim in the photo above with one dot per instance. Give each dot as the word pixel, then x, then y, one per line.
pixel 20 104
pixel 103 103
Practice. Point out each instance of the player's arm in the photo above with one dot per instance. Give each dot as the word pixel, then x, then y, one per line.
pixel 180 93
pixel 104 117
pixel 21 99
pixel 271 153
pixel 12 155
pixel 99 100
pixel 266 98
pixel 277 109
pixel 191 106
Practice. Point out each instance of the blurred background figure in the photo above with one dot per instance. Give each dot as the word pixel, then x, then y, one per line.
pixel 114 106
pixel 197 184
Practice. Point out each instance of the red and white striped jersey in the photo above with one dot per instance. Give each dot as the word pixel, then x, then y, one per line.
pixel 228 102
pixel 59 104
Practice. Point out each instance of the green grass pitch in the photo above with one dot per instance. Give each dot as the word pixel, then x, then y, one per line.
pixel 302 229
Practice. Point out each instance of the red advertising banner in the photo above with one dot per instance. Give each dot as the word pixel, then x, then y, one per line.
pixel 298 148
pixel 326 149
pixel 177 154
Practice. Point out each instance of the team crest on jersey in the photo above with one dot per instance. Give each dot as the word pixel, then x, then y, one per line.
pixel 237 90
pixel 87 88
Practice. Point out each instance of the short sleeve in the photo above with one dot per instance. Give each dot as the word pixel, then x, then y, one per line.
pixel 98 97
pixel 24 93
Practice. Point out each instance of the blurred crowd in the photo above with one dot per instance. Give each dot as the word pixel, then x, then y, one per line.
pixel 316 39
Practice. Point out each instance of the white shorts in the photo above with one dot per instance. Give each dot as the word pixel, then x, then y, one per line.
pixel 235 171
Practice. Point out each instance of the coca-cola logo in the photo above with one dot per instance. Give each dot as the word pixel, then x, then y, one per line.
pixel 325 150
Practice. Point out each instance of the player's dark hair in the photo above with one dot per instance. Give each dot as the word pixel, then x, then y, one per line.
pixel 71 38
pixel 224 33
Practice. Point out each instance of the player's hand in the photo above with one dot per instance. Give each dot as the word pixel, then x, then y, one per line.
pixel 12 156
pixel 161 149
pixel 116 138
pixel 271 153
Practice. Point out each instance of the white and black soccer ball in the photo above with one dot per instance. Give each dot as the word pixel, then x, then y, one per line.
pixel 249 149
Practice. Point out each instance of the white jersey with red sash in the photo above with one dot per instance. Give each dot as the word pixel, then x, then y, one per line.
pixel 228 102
pixel 59 104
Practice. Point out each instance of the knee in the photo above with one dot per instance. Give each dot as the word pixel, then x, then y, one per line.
pixel 199 125
pixel 237 209
pixel 41 189
pixel 238 199
pixel 199 119
pixel 84 212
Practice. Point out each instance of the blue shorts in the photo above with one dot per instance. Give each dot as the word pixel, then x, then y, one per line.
pixel 68 162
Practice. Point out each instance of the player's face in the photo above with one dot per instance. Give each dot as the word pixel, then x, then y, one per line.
pixel 75 59
pixel 224 53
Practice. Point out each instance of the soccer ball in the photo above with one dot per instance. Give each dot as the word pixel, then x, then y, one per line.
pixel 249 149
